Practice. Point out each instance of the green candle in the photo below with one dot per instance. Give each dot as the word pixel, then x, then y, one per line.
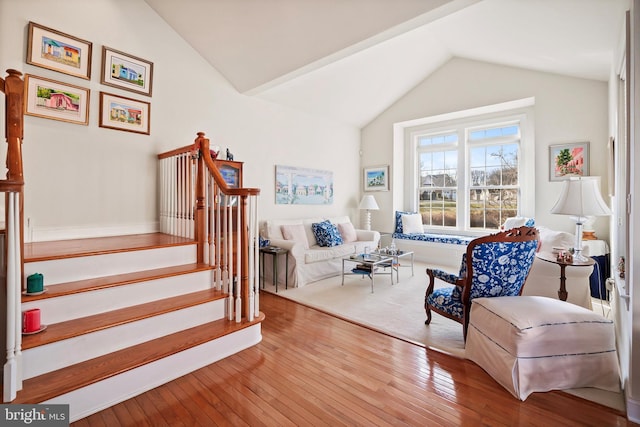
pixel 35 283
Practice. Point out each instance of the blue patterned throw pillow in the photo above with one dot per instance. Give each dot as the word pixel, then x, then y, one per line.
pixel 326 233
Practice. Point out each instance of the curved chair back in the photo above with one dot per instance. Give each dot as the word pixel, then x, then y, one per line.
pixel 499 263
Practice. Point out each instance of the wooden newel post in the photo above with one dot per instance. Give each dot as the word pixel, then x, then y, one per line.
pixel 13 87
pixel 200 218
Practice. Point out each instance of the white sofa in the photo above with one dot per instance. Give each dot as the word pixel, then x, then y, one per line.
pixel 309 262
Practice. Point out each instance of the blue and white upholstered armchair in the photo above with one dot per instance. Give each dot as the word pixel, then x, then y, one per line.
pixel 493 266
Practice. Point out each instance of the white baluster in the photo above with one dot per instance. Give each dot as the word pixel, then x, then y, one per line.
pixel 239 215
pixel 12 371
pixel 255 277
pixel 250 228
pixel 217 240
pixel 229 254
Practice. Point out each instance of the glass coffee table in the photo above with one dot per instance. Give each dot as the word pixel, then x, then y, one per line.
pixel 396 256
pixel 369 265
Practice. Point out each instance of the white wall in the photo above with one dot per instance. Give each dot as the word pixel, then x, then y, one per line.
pixel 633 259
pixel 86 181
pixel 566 110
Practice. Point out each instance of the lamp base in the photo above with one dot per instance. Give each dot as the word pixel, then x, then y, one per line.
pixel 367 220
pixel 577 249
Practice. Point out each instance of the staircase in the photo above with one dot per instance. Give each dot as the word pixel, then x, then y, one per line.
pixel 123 315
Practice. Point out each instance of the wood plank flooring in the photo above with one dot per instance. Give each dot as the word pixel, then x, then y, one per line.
pixel 312 369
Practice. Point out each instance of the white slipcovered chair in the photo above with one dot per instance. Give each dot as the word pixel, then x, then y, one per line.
pixel 535 344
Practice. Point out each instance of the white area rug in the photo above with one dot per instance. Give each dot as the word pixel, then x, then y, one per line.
pixel 398 310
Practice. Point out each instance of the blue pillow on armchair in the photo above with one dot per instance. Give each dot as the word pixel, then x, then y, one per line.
pixel 326 233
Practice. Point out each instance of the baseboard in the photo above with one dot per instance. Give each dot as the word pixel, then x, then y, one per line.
pixel 45 234
pixel 633 410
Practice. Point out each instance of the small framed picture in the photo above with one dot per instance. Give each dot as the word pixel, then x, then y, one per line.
pixel 126 71
pixel 376 178
pixel 120 113
pixel 59 52
pixel 50 99
pixel 568 160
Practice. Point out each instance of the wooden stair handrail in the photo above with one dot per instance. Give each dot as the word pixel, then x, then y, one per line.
pixel 201 144
pixel 206 171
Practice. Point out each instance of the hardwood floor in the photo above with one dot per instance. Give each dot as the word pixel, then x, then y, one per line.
pixel 314 369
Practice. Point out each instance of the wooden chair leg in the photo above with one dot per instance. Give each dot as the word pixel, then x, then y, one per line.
pixel 426 295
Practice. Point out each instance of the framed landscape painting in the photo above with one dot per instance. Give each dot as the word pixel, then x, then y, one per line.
pixel 302 186
pixel 376 178
pixel 58 51
pixel 120 113
pixel 568 160
pixel 126 71
pixel 50 99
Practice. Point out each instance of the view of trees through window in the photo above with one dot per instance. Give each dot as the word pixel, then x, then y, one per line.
pixel 484 192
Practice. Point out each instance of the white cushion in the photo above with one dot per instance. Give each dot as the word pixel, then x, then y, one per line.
pixel 412 223
pixel 296 233
pixel 348 232
pixel 273 227
pixel 318 253
pixel 339 219
pixel 550 239
pixel 514 222
pixel 311 237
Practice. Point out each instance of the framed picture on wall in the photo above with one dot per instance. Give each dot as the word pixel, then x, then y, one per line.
pixel 376 178
pixel 126 71
pixel 58 51
pixel 568 160
pixel 50 99
pixel 120 113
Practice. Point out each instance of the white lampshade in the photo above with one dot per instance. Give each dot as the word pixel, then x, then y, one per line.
pixel 369 203
pixel 581 197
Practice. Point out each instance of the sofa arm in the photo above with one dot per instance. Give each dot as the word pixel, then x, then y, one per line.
pixel 368 236
pixel 296 249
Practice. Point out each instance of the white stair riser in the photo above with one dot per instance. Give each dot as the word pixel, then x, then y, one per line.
pixel 39 360
pixel 96 397
pixel 73 306
pixel 89 267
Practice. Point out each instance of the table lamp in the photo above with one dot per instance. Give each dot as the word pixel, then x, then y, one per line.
pixel 580 198
pixel 369 204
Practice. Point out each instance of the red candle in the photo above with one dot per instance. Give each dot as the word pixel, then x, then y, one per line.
pixel 31 320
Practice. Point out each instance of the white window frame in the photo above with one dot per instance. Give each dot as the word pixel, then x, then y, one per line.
pixel 406 156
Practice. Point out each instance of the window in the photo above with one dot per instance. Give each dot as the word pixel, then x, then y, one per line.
pixel 469 172
pixel 493 171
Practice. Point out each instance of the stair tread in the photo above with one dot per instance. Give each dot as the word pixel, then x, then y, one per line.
pixel 96 283
pixel 72 328
pixel 47 386
pixel 42 251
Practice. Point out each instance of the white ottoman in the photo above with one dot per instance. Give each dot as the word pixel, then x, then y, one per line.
pixel 533 343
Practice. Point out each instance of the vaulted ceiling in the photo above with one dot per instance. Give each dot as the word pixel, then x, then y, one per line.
pixel 349 60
